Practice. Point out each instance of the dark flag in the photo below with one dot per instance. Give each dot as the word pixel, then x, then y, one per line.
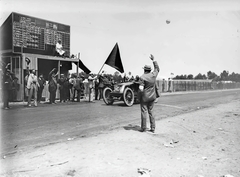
pixel 83 67
pixel 114 59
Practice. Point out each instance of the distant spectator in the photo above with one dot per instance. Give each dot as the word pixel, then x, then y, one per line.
pixel 52 85
pixel 91 79
pixel 96 83
pixel 101 79
pixel 7 86
pixel 25 84
pixel 72 81
pixel 163 85
pixel 15 88
pixel 42 83
pixel 169 84
pixel 78 87
pixel 86 88
pixel 63 88
pixel 131 79
pixel 32 86
pixel 66 86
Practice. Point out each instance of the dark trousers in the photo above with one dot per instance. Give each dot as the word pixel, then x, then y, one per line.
pixel 5 95
pixel 63 94
pixel 96 93
pixel 100 93
pixel 68 93
pixel 39 94
pixel 78 95
pixel 52 96
pixel 147 108
pixel 74 94
pixel 14 95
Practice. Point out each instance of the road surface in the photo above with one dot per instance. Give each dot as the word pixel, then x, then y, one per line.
pixel 24 128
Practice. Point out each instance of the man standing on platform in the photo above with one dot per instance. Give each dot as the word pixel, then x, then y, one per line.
pixel 59 49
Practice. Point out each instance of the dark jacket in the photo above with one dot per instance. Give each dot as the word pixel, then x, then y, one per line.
pixel 101 81
pixel 148 81
pixel 7 80
pixel 78 84
pixel 52 82
pixel 61 82
pixel 41 82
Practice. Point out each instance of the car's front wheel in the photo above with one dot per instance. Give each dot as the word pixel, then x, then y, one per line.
pixel 128 97
pixel 107 98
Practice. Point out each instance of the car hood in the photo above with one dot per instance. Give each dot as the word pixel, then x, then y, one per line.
pixel 125 83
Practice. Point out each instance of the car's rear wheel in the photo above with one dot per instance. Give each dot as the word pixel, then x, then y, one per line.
pixel 128 97
pixel 107 98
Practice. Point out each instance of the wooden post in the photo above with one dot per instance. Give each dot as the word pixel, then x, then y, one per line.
pixel 78 63
pixel 59 68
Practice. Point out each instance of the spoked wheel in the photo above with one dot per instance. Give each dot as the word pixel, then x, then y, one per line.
pixel 107 98
pixel 128 97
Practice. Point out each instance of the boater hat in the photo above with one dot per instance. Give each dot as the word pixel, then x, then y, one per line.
pixel 147 67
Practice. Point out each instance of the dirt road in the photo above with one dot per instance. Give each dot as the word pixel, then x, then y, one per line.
pixel 48 124
pixel 204 142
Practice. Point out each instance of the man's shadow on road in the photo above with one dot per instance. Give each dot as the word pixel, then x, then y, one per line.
pixel 132 127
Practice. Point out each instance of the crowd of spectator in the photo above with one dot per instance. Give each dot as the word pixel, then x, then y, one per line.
pixel 72 87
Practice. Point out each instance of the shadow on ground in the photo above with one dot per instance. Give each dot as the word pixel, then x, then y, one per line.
pixel 132 127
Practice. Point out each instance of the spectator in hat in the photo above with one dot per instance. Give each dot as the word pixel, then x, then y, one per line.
pixel 32 86
pixel 147 95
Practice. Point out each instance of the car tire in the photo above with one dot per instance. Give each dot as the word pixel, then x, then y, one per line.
pixel 128 97
pixel 107 98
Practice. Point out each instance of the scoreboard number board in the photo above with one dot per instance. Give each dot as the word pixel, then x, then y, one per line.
pixel 34 35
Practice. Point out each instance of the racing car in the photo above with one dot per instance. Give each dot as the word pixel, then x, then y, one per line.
pixel 126 92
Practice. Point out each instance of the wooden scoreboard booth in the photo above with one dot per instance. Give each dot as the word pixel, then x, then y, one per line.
pixel 28 38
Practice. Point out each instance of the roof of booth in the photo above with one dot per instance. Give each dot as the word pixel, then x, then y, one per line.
pixel 47 57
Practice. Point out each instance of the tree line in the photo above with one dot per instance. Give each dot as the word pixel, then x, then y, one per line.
pixel 224 76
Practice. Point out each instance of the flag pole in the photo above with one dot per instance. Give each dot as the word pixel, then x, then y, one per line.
pixel 101 68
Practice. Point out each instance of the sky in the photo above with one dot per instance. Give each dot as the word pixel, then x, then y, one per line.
pixel 202 35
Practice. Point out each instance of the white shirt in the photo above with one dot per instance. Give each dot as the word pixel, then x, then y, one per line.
pixel 59 49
